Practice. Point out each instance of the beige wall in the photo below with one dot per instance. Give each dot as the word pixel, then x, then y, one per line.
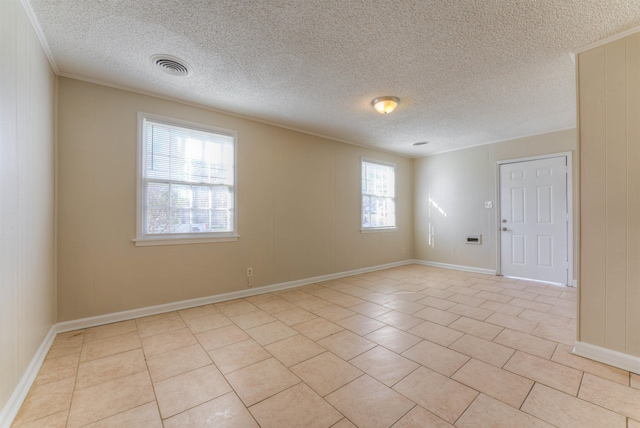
pixel 609 115
pixel 459 182
pixel 298 209
pixel 27 94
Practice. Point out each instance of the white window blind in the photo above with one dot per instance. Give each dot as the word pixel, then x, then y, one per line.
pixel 187 181
pixel 378 196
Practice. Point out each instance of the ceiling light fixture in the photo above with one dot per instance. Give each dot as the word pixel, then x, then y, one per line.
pixel 385 105
pixel 421 143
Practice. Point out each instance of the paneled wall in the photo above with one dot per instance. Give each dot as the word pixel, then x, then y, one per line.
pixel 609 115
pixel 298 209
pixel 27 101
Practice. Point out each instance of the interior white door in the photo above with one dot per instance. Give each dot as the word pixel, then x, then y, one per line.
pixel 534 219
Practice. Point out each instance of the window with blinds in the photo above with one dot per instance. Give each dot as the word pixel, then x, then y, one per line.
pixel 186 181
pixel 378 195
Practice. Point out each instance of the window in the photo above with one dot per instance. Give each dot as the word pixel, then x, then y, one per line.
pixel 378 195
pixel 186 182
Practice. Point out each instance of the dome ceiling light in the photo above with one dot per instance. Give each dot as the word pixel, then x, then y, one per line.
pixel 385 105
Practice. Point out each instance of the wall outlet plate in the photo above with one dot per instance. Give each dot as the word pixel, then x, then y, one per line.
pixel 488 204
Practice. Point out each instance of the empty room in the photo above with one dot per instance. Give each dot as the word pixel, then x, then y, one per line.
pixel 270 213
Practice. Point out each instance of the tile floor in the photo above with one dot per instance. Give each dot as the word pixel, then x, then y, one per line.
pixel 412 346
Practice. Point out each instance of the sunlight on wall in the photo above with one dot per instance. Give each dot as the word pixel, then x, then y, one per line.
pixel 436 209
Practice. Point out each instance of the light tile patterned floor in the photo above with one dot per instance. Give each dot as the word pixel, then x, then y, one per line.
pixel 412 346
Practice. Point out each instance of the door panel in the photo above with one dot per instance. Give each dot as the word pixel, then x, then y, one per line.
pixel 533 206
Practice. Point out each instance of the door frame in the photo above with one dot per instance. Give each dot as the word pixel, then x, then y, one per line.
pixel 569 155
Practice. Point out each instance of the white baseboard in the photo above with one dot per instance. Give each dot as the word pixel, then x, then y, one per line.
pixel 19 394
pixel 455 267
pixel 613 358
pixel 185 304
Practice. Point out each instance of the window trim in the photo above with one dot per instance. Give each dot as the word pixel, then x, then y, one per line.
pixel 395 188
pixel 141 238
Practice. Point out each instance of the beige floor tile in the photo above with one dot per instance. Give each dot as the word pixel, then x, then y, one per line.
pixel 393 339
pixel 163 342
pixel 420 418
pixel 505 386
pixel 465 300
pixel 294 316
pixel 55 369
pixel 495 297
pixel 66 344
pixel 345 300
pixel 470 311
pixel 436 315
pixel 399 320
pixel 520 293
pixel 545 318
pixel 404 306
pixel 219 337
pixel 294 349
pixel 293 294
pixel 226 411
pixel 261 380
pixel 502 308
pixel 635 381
pixel 476 328
pixel 489 412
pixel 566 312
pixel 346 344
pixel 156 317
pixel 109 368
pixel 109 330
pixel 146 416
pixel 236 307
pixel 57 420
pixel 46 400
pixel 619 398
pixel 333 313
pixel 514 323
pixel 162 325
pixel 272 332
pixel 483 350
pixel 564 356
pixel 275 305
pixel 436 333
pixel 369 309
pixel 438 394
pixel 311 303
pixel 238 355
pixel 563 410
pixel 179 393
pixel 369 403
pixel 310 410
pixel 435 357
pixel 208 322
pixel 325 373
pixel 344 423
pixel 110 398
pixel 109 346
pixel 178 361
pixel 438 302
pixel 384 365
pixel 530 304
pixel 541 289
pixel 378 297
pixel 560 335
pixel 547 372
pixel 526 343
pixel 360 324
pixel 252 319
pixel 317 328
pixel 197 312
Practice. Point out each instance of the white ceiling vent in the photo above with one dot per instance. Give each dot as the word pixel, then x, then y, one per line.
pixel 171 65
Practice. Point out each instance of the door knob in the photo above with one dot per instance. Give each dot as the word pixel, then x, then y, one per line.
pixel 504 229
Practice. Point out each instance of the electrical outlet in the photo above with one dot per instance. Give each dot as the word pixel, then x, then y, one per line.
pixel 488 204
pixel 249 272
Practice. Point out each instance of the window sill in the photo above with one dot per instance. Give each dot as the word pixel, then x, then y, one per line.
pixel 379 229
pixel 146 242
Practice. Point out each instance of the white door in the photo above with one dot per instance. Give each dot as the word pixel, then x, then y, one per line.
pixel 533 222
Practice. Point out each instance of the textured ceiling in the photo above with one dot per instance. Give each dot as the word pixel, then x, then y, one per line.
pixel 468 72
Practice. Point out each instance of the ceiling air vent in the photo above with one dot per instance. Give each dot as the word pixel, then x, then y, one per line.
pixel 171 65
